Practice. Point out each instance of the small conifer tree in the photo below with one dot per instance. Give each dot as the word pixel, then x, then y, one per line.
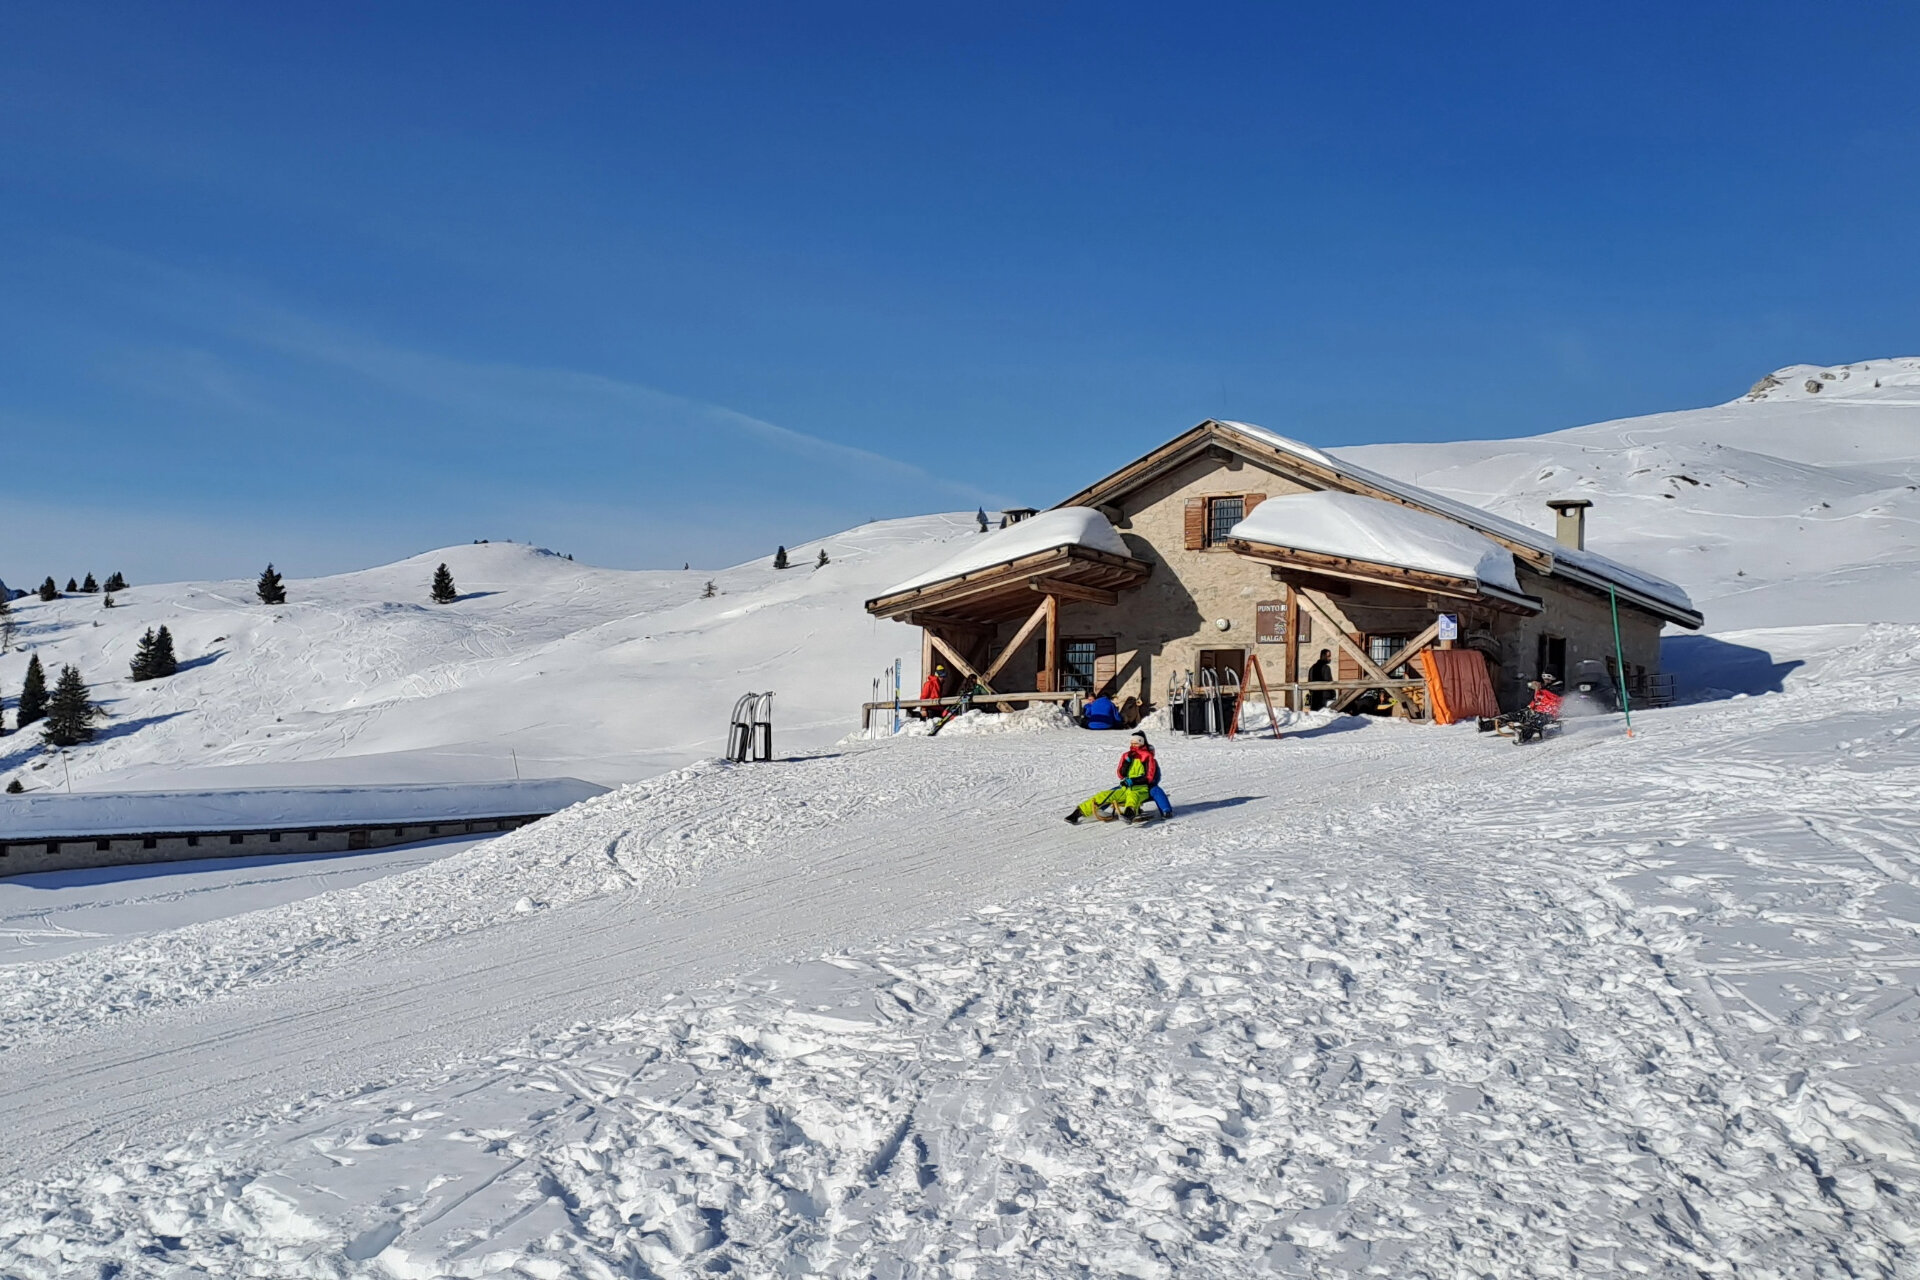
pixel 33 694
pixel 118 582
pixel 70 712
pixel 780 558
pixel 710 592
pixel 142 665
pixel 14 788
pixel 164 663
pixel 90 587
pixel 822 561
pixel 48 591
pixel 73 587
pixel 444 592
pixel 7 625
pixel 270 588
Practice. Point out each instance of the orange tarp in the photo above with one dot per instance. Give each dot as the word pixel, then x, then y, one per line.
pixel 1457 684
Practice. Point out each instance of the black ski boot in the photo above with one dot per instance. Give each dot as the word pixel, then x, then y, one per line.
pixel 1073 818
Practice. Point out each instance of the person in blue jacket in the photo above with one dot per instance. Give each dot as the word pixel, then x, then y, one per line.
pixel 1100 713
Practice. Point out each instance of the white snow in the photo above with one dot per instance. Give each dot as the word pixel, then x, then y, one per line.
pixel 1061 527
pixel 544 667
pixel 1382 999
pixel 53 814
pixel 1623 575
pixel 1799 508
pixel 1345 524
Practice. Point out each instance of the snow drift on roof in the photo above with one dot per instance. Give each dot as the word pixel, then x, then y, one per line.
pixel 1345 524
pixel 1599 566
pixel 1060 527
pixel 103 813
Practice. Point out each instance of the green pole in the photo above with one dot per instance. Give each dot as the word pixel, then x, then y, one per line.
pixel 1620 658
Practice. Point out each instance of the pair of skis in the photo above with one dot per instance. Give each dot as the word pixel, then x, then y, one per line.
pixel 966 701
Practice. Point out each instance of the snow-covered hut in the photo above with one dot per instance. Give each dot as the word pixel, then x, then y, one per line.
pixel 1230 540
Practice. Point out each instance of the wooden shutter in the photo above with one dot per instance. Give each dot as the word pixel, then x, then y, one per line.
pixel 1248 501
pixel 1105 663
pixel 1349 668
pixel 1196 523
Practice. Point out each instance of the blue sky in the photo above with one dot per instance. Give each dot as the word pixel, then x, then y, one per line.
pixel 330 285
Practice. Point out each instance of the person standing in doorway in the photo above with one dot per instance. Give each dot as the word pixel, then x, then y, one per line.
pixel 1322 669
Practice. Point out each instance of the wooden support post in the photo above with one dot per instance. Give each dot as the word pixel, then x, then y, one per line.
pixel 1406 652
pixel 1019 638
pixel 1292 658
pixel 953 656
pixel 926 656
pixel 1050 675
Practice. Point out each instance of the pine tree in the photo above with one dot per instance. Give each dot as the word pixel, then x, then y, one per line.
pixel 710 592
pixel 7 624
pixel 90 587
pixel 70 713
pixel 822 561
pixel 443 590
pixel 270 589
pixel 780 558
pixel 33 694
pixel 48 591
pixel 118 582
pixel 73 587
pixel 164 663
pixel 142 667
pixel 14 788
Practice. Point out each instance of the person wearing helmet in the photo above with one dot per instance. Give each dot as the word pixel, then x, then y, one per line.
pixel 1543 709
pixel 932 687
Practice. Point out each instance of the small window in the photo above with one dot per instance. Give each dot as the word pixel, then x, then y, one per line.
pixel 1222 515
pixel 149 843
pixel 235 839
pixel 1380 648
pixel 434 830
pixel 397 833
pixel 193 842
pixel 53 846
pixel 273 837
pixel 312 836
pixel 103 846
pixel 1076 666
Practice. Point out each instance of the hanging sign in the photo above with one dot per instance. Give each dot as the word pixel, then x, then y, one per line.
pixel 1449 627
pixel 1270 622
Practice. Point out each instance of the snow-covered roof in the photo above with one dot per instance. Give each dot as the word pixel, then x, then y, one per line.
pixel 1564 557
pixel 1060 527
pixel 1345 524
pixel 51 815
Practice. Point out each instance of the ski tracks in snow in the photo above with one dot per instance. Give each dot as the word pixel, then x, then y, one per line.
pixel 1600 1007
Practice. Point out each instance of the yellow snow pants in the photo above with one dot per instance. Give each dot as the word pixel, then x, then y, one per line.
pixel 1119 798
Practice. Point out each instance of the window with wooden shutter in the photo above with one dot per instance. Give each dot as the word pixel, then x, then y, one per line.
pixel 1196 523
pixel 1222 514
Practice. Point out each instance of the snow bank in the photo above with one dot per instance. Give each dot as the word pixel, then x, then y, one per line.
pixel 1061 527
pixel 1344 524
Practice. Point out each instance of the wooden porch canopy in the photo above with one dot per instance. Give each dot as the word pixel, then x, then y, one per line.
pixel 959 613
pixel 1301 567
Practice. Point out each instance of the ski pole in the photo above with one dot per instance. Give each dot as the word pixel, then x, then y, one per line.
pixel 1620 659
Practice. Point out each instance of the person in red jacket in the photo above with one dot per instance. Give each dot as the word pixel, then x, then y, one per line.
pixel 1546 702
pixel 1139 775
pixel 931 687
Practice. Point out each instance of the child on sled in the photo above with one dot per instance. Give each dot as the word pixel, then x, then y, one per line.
pixel 1139 776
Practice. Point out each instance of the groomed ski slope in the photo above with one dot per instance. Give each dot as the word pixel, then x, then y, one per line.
pixel 1383 997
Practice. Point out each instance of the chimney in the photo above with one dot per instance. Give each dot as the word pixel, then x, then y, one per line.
pixel 1570 522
